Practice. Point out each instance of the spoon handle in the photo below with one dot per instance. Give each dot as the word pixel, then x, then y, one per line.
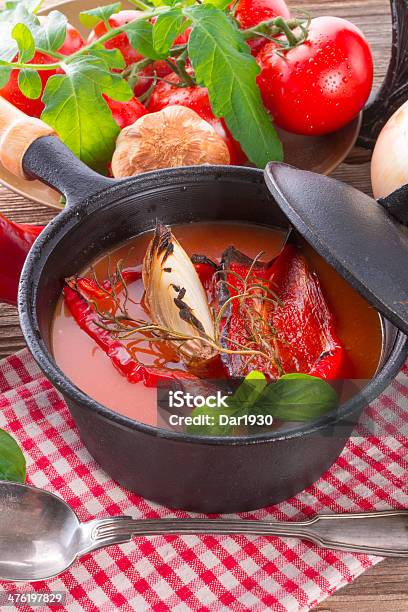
pixel 376 533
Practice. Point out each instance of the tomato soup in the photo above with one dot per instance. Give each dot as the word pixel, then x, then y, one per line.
pixel 357 324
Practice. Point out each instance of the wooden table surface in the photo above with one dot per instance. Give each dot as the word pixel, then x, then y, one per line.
pixel 384 587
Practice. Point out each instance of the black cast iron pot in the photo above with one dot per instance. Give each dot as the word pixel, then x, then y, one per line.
pixel 175 469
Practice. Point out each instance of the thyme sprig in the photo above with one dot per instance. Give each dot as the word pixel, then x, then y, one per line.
pixel 261 337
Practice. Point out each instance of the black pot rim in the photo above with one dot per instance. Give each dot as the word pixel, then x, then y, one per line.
pixel 43 357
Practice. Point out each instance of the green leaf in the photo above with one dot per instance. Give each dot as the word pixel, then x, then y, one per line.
pixel 10 8
pixel 298 397
pixel 167 27
pixel 30 83
pixel 220 4
pixel 223 63
pixel 8 46
pixel 5 72
pixel 113 58
pixel 75 108
pixel 12 461
pixel 51 34
pixel 239 403
pixel 25 42
pixel 140 35
pixel 248 393
pixel 90 18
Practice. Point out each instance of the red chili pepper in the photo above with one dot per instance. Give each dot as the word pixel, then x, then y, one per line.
pixel 306 338
pixel 87 319
pixel 102 293
pixel 16 239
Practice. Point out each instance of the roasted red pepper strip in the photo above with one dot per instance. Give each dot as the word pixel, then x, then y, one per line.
pixel 307 341
pixel 87 319
pixel 16 240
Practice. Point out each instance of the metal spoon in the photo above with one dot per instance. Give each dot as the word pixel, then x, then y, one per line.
pixel 41 536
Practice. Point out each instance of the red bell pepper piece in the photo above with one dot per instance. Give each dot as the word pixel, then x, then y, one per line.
pixel 87 318
pixel 306 338
pixel 16 239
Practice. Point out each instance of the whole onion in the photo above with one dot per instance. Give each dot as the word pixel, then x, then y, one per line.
pixel 389 164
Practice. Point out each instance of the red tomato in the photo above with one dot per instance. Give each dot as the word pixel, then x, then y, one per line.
pixel 321 85
pixel 130 55
pixel 120 41
pixel 249 13
pixel 165 94
pixel 126 113
pixel 159 68
pixel 11 91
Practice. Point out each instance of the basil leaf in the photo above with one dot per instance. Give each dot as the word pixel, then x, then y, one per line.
pixel 30 83
pixel 90 18
pixel 239 403
pixel 248 393
pixel 208 422
pixel 50 35
pixel 113 58
pixel 25 42
pixel 12 461
pixel 140 35
pixel 298 397
pixel 167 27
pixel 74 107
pixel 223 63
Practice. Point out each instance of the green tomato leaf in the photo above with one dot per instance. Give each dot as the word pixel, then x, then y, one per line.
pixel 90 18
pixel 25 42
pixel 50 35
pixel 220 4
pixel 5 72
pixel 166 29
pixel 298 397
pixel 8 46
pixel 30 83
pixel 75 108
pixel 10 8
pixel 12 461
pixel 140 35
pixel 223 63
pixel 113 58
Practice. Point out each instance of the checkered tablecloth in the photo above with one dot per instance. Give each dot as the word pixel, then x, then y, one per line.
pixel 201 573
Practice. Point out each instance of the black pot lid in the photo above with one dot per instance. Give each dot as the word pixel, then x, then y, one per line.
pixel 352 231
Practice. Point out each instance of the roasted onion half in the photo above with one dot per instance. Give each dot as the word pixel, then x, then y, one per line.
pixel 176 299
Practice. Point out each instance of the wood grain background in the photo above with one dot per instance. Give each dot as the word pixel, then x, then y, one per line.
pixel 385 587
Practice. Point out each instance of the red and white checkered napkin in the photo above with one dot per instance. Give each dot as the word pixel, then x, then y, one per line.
pixel 201 573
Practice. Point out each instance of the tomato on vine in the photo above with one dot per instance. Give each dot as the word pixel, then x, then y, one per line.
pixel 125 113
pixel 322 84
pixel 121 41
pixel 249 13
pixel 11 92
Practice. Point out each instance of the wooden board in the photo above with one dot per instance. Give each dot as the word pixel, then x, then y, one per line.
pixel 385 587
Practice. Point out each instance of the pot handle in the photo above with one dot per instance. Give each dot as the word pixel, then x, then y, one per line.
pixel 394 90
pixel 30 149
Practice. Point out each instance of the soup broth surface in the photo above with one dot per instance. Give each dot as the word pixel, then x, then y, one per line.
pixel 357 323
